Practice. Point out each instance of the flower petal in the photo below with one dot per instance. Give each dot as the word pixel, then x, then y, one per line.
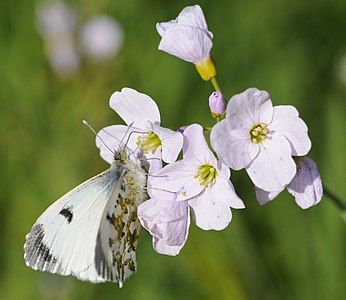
pixel 172 142
pixel 190 16
pixel 209 212
pixel 249 108
pixel 306 186
pixel 163 26
pixel 273 168
pixel 156 188
pixel 188 43
pixel 196 147
pixel 193 16
pixel 263 197
pixel 135 108
pixel 167 221
pixel 224 190
pixel 234 148
pixel 177 177
pixel 161 246
pixel 152 161
pixel 286 121
pixel 114 137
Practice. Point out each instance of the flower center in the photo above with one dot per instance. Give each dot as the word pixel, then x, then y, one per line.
pixel 149 141
pixel 258 133
pixel 206 175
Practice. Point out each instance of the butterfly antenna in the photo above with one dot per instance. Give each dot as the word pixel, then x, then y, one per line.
pixel 93 130
pixel 128 138
pixel 127 131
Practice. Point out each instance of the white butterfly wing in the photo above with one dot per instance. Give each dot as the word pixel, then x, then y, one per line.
pixel 63 239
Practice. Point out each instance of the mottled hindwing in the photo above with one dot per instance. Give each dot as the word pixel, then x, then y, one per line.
pixel 115 258
pixel 63 239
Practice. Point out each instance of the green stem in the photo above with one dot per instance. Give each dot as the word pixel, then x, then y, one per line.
pixel 337 201
pixel 215 84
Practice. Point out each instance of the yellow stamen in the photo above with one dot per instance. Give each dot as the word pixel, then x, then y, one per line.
pixel 206 174
pixel 258 133
pixel 149 141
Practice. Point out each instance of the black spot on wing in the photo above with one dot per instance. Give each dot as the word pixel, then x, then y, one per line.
pixel 37 254
pixel 109 218
pixel 67 213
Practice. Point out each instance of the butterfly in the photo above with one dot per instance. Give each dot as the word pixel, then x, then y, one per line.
pixel 92 231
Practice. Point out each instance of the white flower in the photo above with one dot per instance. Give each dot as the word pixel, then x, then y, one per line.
pixel 306 186
pixel 143 133
pixel 261 138
pixel 188 38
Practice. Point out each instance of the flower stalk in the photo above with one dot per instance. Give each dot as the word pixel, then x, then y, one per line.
pixel 215 84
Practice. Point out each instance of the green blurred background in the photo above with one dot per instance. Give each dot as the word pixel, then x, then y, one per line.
pixel 294 49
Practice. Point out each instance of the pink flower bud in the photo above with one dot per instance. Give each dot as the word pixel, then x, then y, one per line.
pixel 217 104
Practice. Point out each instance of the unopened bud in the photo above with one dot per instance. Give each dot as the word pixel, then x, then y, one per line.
pixel 217 104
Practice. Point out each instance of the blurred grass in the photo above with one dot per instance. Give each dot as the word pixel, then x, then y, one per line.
pixel 290 48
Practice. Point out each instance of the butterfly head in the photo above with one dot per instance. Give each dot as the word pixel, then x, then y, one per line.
pixel 121 155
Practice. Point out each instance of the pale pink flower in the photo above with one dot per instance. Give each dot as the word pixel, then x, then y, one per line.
pixel 261 138
pixel 200 180
pixel 56 22
pixel 168 222
pixel 306 186
pixel 101 38
pixel 187 37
